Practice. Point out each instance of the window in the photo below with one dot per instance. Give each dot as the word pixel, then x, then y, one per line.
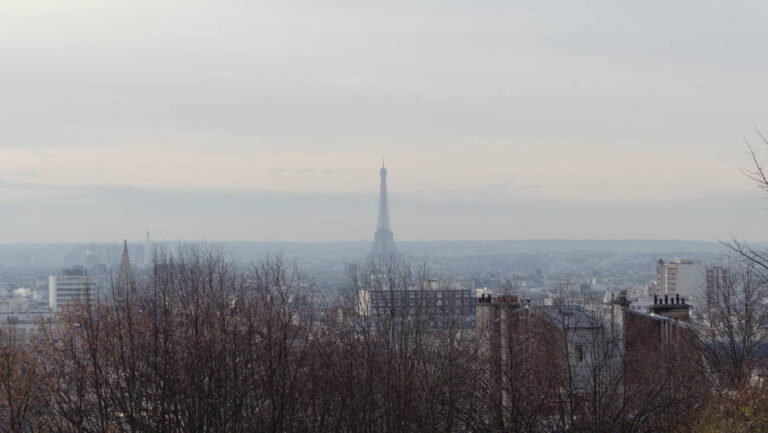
pixel 579 353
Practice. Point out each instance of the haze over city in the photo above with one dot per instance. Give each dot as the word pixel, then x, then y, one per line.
pixel 338 216
pixel 268 120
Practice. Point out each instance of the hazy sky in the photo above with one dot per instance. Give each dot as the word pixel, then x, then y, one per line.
pixel 267 120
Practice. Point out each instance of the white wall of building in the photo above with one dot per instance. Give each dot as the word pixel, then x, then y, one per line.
pixel 691 280
pixel 687 278
pixel 52 292
pixel 65 289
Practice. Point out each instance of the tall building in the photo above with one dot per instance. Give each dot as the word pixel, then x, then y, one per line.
pixel 680 277
pixel 72 284
pixel 384 240
pixel 717 283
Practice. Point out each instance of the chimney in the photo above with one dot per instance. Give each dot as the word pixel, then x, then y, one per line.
pixel 676 309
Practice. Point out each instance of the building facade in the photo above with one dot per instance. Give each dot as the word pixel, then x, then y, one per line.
pixel 432 303
pixel 70 285
pixel 663 362
pixel 680 277
pixel 546 356
pixel 567 363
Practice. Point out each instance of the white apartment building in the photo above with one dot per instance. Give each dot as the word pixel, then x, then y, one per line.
pixel 687 278
pixel 71 285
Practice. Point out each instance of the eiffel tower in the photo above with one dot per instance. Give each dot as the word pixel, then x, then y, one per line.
pixel 383 241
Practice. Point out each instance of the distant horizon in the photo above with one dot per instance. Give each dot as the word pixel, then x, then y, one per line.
pixel 53 254
pixel 203 241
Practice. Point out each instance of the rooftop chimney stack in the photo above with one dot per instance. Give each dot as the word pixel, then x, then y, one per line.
pixel 674 308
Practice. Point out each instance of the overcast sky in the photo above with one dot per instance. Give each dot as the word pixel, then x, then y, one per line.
pixel 267 120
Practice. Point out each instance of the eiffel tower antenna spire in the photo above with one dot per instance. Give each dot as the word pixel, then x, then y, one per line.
pixel 383 240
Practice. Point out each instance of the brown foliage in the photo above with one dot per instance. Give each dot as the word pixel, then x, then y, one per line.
pixel 199 345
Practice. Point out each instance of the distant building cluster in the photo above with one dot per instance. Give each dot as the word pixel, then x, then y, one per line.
pixel 23 311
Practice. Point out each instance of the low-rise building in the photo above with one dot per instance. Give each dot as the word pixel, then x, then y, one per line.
pixel 432 301
pixel 24 325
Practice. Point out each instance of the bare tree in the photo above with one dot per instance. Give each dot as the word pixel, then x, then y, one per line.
pixel 406 365
pixel 200 346
pixel 23 385
pixel 732 323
